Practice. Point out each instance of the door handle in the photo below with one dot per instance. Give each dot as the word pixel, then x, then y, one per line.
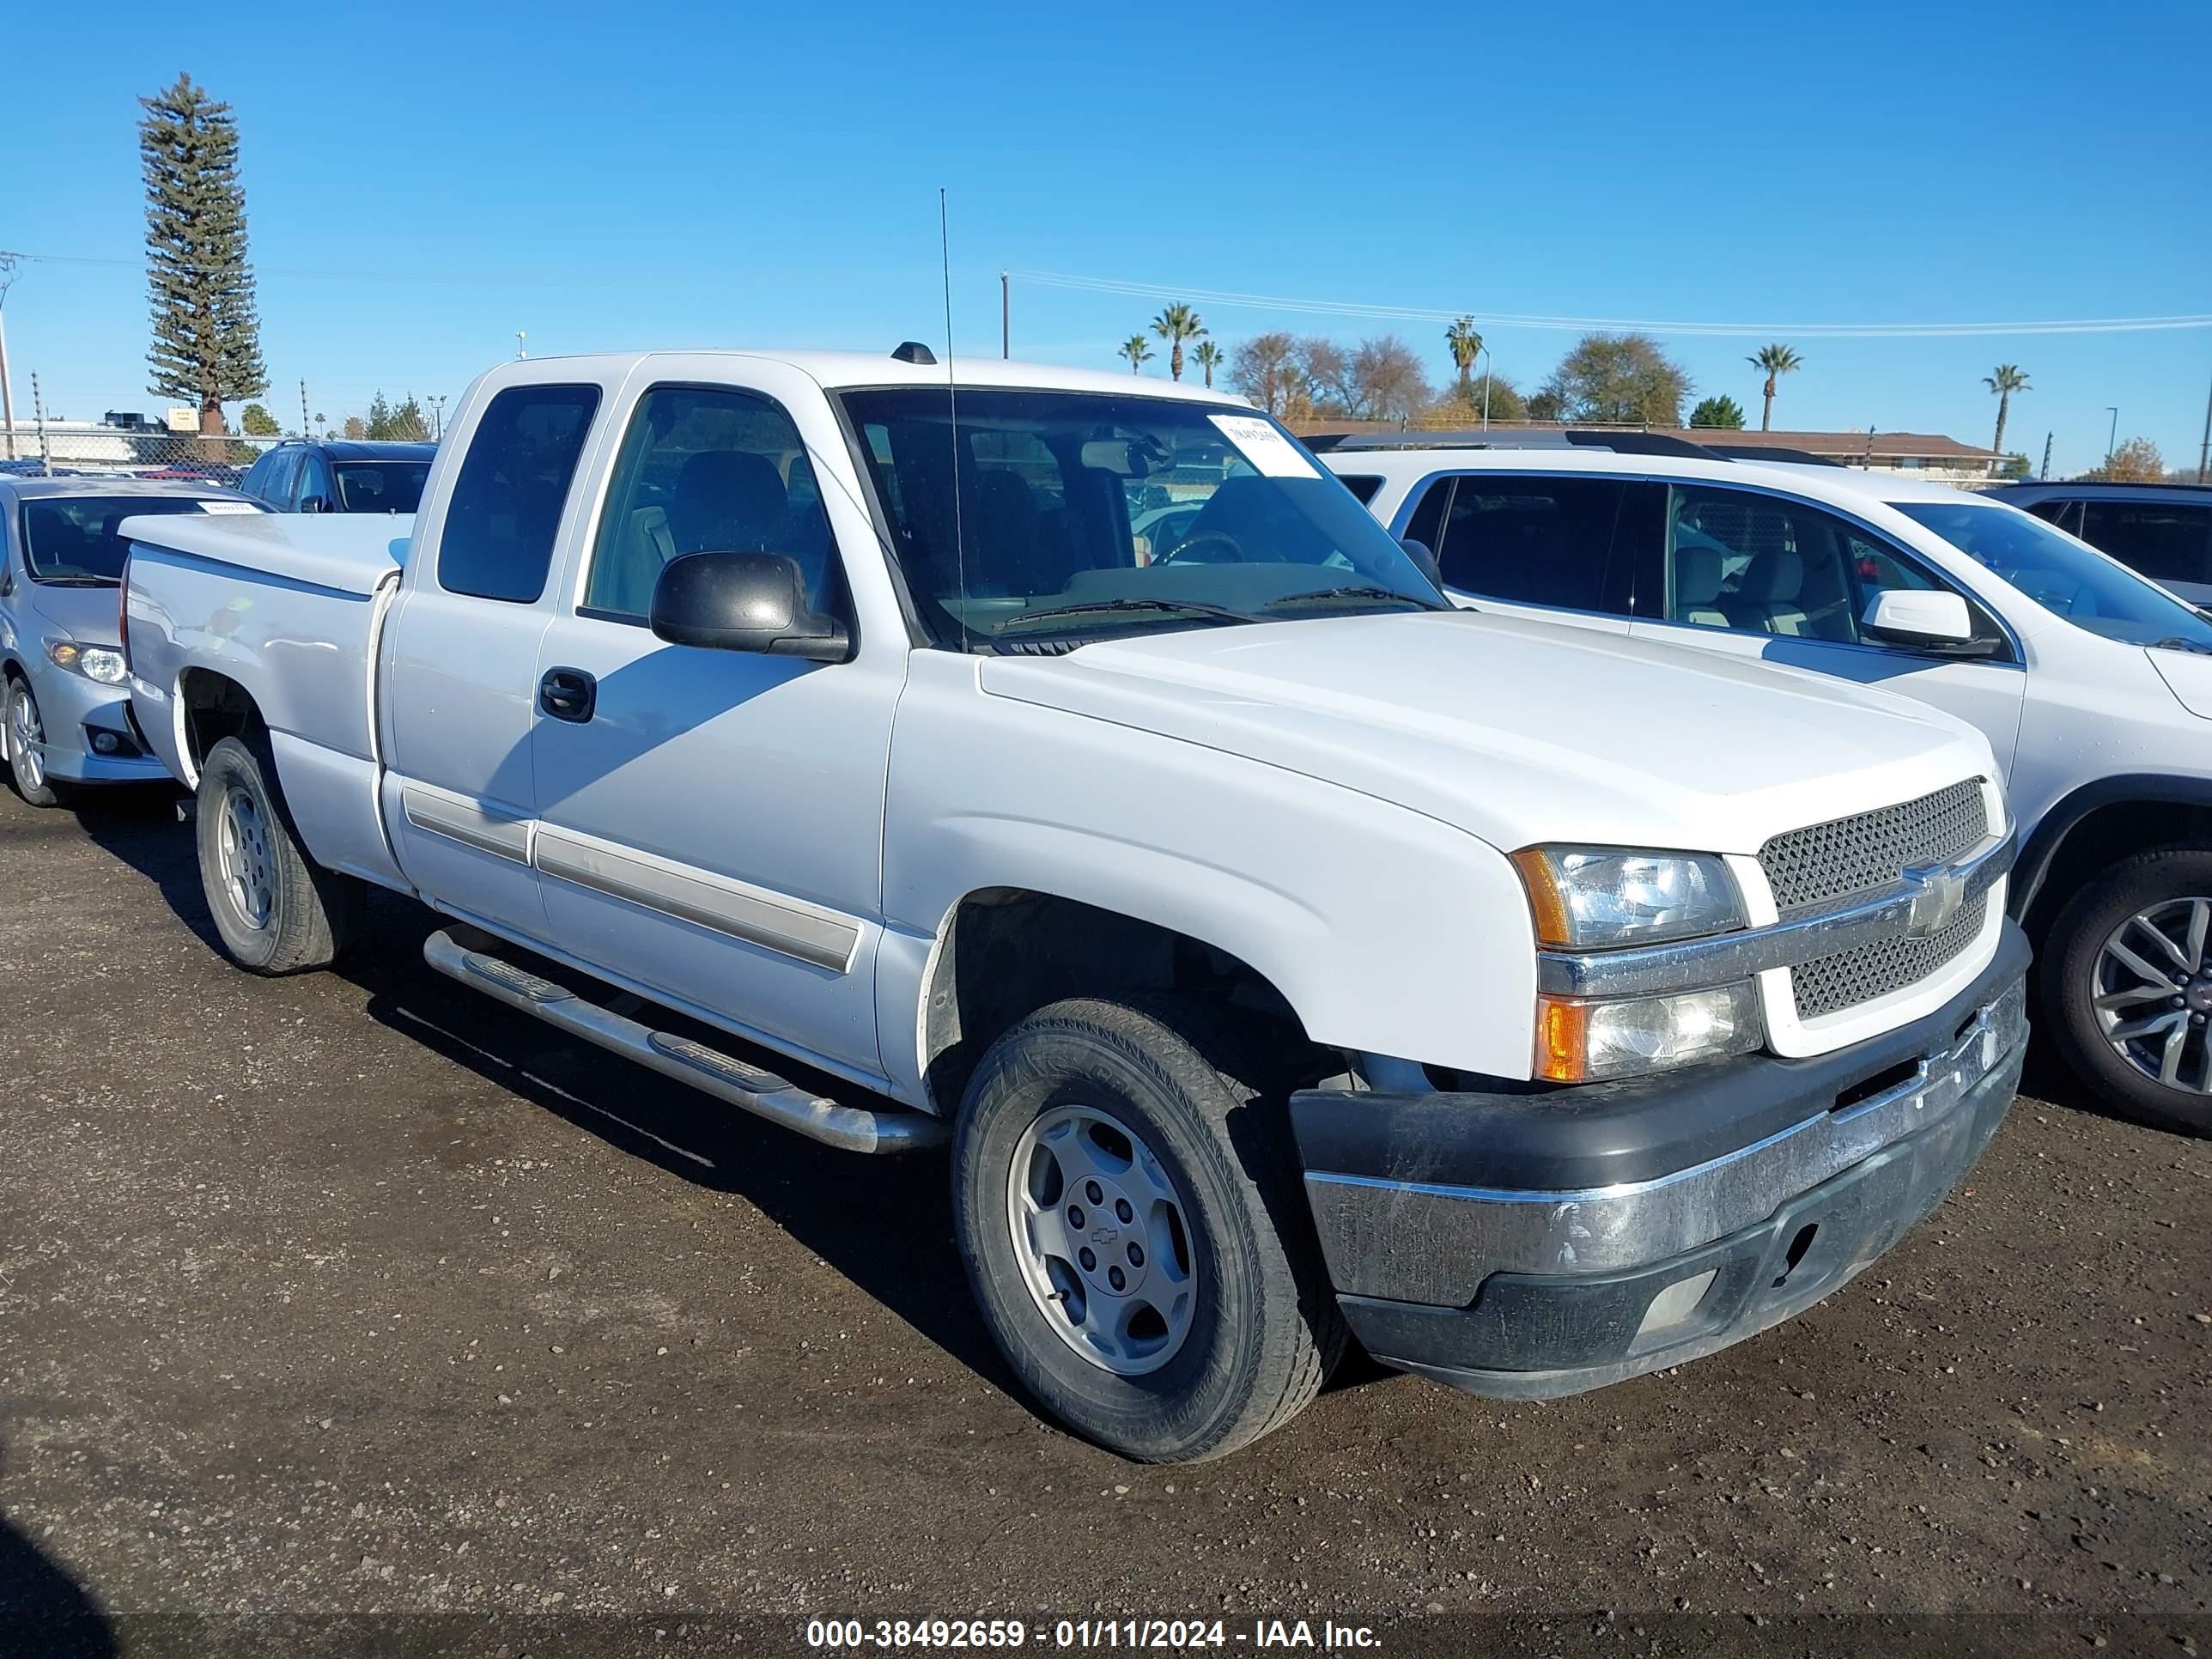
pixel 569 694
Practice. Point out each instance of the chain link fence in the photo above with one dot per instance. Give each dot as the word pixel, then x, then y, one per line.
pixel 124 447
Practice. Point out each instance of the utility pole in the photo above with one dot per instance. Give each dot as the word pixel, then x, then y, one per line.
pixel 39 416
pixel 437 417
pixel 2112 438
pixel 1005 317
pixel 2203 453
pixel 7 399
pixel 307 427
pixel 1489 363
pixel 2045 474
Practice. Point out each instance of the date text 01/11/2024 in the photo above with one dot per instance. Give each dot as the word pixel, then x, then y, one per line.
pixel 1140 1634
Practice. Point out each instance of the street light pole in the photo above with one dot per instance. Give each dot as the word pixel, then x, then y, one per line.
pixel 519 353
pixel 438 417
pixel 2205 451
pixel 7 397
pixel 1006 316
pixel 1489 363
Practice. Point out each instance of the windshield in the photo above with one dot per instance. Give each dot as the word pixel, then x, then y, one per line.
pixel 380 486
pixel 2061 575
pixel 1081 515
pixel 71 540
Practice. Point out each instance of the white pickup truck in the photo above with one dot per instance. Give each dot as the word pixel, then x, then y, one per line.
pixel 1286 954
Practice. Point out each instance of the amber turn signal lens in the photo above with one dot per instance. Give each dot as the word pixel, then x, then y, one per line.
pixel 1545 903
pixel 1562 1040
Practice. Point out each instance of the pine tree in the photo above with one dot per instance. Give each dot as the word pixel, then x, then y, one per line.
pixel 207 337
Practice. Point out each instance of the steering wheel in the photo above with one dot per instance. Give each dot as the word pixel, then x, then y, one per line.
pixel 1180 552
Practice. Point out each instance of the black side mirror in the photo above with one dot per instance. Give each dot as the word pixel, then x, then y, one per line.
pixel 313 504
pixel 745 602
pixel 1419 554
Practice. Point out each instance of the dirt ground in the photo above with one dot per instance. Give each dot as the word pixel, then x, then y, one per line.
pixel 348 1313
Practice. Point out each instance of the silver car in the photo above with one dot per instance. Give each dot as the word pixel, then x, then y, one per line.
pixel 67 708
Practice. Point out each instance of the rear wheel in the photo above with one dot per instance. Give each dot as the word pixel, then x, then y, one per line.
pixel 26 734
pixel 277 910
pixel 1136 1233
pixel 2127 984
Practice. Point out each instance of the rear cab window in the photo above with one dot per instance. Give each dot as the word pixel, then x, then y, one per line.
pixel 2167 541
pixel 504 512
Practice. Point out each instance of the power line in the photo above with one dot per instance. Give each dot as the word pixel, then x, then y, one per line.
pixel 1502 319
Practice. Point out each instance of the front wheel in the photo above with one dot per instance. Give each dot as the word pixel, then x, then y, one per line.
pixel 26 738
pixel 278 910
pixel 1135 1231
pixel 2127 985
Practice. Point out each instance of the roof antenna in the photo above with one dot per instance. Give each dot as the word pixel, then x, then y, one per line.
pixel 952 401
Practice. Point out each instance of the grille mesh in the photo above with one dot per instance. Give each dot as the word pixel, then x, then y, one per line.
pixel 1858 855
pixel 1826 984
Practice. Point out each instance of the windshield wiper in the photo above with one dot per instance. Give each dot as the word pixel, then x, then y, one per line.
pixel 2177 643
pixel 1355 592
pixel 1109 607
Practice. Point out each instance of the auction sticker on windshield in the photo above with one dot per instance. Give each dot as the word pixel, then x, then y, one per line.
pixel 228 506
pixel 1271 454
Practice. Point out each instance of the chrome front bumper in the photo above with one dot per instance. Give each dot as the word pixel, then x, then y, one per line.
pixel 1545 1277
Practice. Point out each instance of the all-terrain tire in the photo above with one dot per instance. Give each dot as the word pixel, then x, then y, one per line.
pixel 1263 1330
pixel 278 910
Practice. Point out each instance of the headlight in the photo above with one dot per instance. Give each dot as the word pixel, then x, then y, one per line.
pixel 1589 898
pixel 103 663
pixel 1579 1042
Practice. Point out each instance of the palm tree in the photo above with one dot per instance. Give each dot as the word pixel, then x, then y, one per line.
pixel 1775 360
pixel 1176 324
pixel 1209 357
pixel 2009 379
pixel 1466 346
pixel 1138 351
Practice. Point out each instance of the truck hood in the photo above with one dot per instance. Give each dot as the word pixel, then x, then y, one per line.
pixel 1520 731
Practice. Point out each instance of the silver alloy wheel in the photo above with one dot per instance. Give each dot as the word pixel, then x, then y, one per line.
pixel 2153 994
pixel 25 734
pixel 242 843
pixel 1098 1230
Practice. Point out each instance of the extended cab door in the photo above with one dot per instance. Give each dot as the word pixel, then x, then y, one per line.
pixel 459 661
pixel 710 821
pixel 1758 574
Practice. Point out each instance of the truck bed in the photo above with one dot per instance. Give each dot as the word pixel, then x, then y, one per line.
pixel 286 607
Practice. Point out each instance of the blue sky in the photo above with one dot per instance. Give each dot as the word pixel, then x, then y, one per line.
pixel 424 180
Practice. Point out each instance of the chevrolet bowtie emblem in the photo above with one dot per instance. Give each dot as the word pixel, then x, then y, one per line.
pixel 1937 895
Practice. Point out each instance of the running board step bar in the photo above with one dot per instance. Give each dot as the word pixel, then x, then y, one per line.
pixel 464 953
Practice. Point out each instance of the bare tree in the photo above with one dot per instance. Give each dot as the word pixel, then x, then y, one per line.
pixel 1386 381
pixel 1262 368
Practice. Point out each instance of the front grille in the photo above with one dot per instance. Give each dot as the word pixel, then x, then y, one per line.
pixel 1826 984
pixel 1869 850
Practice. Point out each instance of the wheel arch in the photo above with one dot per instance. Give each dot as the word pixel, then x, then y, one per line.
pixel 2096 826
pixel 210 706
pixel 1003 951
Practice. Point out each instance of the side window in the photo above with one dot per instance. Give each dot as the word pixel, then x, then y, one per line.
pixel 2067 515
pixel 1767 564
pixel 315 481
pixel 1363 485
pixel 277 488
pixel 2164 542
pixel 705 471
pixel 1426 525
pixel 505 513
pixel 256 476
pixel 1542 539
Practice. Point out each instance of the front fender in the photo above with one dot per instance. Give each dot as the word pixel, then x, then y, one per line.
pixel 1385 930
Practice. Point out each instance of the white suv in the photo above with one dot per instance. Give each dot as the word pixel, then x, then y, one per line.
pixel 2094 686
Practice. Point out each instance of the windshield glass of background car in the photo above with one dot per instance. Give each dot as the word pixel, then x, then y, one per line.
pixel 1128 505
pixel 2061 575
pixel 380 486
pixel 71 539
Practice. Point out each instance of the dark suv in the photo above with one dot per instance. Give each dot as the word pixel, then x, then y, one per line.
pixel 2160 530
pixel 340 475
